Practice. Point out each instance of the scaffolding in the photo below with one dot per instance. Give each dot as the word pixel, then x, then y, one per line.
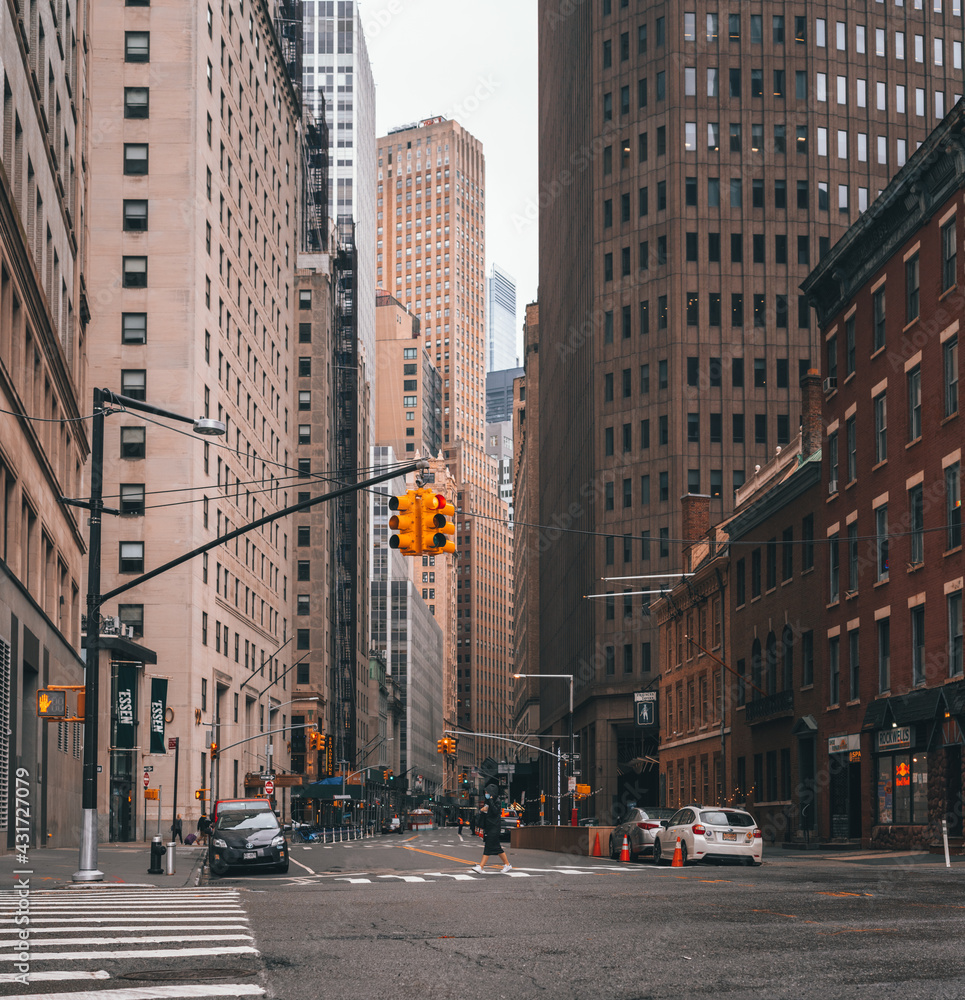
pixel 346 516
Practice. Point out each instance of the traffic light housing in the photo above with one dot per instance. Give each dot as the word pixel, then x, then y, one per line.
pixel 436 512
pixel 51 704
pixel 200 793
pixel 214 751
pixel 442 745
pixel 405 522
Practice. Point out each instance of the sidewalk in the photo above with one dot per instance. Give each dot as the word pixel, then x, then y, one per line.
pixel 122 864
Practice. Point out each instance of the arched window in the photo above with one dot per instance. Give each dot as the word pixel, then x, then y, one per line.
pixel 771 686
pixel 756 670
pixel 787 658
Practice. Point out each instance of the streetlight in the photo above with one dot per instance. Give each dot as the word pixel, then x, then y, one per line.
pixel 103 398
pixel 568 677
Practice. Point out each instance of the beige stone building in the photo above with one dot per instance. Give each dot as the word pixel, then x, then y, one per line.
pixel 194 230
pixel 430 255
pixel 44 438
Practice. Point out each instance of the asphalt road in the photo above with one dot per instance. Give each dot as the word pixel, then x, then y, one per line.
pixel 397 917
pixel 403 917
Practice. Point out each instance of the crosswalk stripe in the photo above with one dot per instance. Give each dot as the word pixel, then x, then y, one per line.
pixel 53 976
pixel 209 990
pixel 156 939
pixel 458 876
pixel 405 878
pixel 95 924
pixel 354 881
pixel 134 953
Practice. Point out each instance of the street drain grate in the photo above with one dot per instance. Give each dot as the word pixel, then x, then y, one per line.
pixel 191 975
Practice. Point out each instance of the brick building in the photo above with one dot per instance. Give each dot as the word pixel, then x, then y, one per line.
pixel 776 608
pixel 889 298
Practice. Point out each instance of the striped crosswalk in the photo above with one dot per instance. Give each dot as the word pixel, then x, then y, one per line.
pixel 67 942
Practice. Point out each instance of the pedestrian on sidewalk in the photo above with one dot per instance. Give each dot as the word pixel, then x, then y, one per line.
pixel 491 822
pixel 204 828
pixel 176 829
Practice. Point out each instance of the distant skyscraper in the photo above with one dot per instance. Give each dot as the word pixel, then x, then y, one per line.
pixel 500 321
pixel 337 74
pixel 430 249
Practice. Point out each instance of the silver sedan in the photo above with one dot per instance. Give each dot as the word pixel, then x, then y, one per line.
pixel 638 826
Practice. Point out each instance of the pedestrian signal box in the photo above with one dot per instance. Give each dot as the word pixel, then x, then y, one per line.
pixel 51 704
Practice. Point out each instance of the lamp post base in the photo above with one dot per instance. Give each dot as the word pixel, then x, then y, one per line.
pixel 87 862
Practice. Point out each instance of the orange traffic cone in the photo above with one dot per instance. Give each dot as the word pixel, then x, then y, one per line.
pixel 625 850
pixel 678 858
pixel 596 848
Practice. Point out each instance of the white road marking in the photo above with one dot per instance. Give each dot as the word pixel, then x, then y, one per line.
pixel 95 924
pixel 405 878
pixel 52 976
pixel 354 881
pixel 458 877
pixel 157 939
pixel 300 865
pixel 137 953
pixel 158 992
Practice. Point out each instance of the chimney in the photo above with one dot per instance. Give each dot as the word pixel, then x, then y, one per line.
pixel 696 516
pixel 812 423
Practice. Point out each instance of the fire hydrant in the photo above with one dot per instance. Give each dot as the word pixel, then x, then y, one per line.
pixel 157 857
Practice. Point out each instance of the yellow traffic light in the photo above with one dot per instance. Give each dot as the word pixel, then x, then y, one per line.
pixel 442 745
pixel 405 522
pixel 436 526
pixel 51 704
pixel 214 751
pixel 452 744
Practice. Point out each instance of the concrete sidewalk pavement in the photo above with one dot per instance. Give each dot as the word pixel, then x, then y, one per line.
pixel 121 863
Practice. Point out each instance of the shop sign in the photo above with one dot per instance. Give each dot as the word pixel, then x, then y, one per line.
pixel 844 744
pixel 889 739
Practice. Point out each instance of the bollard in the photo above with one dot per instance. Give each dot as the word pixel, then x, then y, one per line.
pixel 157 853
pixel 170 858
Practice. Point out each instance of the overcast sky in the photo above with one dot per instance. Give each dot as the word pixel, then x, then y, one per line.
pixel 476 63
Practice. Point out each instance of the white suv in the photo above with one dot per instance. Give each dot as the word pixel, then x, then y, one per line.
pixel 709 832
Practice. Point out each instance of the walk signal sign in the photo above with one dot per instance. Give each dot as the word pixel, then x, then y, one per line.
pixel 51 704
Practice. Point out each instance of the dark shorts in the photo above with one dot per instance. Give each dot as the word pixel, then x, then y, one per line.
pixel 492 844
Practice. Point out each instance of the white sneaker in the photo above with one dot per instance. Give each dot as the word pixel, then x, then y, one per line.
pixel 507 868
pixel 476 869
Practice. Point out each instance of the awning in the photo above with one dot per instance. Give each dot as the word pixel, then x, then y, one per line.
pixel 326 791
pixel 905 709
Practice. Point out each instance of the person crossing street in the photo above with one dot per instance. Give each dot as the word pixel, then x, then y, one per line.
pixel 491 821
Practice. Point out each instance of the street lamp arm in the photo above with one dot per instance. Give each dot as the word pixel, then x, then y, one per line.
pixel 129 403
pixel 267 519
pixel 273 655
pixel 505 739
pixel 268 732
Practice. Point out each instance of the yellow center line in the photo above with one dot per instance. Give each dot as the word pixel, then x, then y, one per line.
pixel 774 913
pixel 445 857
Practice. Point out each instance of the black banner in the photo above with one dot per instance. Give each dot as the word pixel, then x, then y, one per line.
pixel 159 699
pixel 124 706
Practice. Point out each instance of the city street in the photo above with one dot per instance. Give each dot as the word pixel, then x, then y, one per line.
pixel 403 916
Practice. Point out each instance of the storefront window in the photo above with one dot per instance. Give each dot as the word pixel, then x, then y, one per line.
pixel 903 789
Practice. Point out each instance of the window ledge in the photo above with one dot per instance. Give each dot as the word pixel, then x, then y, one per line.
pixel 832 708
pixel 913 442
pixel 878 465
pixel 951 416
pixel 914 567
pixel 850 483
pixel 952 552
pixel 881 582
pixel 880 350
pixel 833 604
pixel 848 378
pixel 948 291
pixel 911 323
pixel 807 687
pixel 809 569
pixel 853 702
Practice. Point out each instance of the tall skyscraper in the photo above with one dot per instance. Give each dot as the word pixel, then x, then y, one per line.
pixel 339 87
pixel 430 255
pixel 195 208
pixel 711 159
pixel 44 406
pixel 501 334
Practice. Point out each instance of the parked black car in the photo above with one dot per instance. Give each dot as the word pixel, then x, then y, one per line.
pixel 247 835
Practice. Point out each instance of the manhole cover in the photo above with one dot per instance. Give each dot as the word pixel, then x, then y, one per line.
pixel 193 975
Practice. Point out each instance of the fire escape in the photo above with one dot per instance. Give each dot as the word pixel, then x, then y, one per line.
pixel 346 537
